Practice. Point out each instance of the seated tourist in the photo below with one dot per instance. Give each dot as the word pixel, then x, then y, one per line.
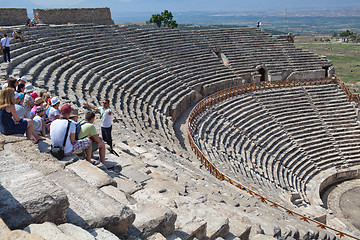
pixel 23 80
pixel 74 116
pixel 20 88
pixel 17 34
pixel 21 110
pixel 54 110
pixel 29 101
pixel 11 83
pixel 10 123
pixel 39 125
pixel 38 102
pixel 58 132
pixel 88 130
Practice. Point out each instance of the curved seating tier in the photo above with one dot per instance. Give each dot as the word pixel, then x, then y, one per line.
pixel 285 137
pixel 151 75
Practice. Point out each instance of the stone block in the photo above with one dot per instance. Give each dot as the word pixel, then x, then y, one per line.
pixel 20 234
pixel 91 174
pixel 192 227
pixel 103 234
pixel 43 162
pixel 115 193
pixel 134 174
pixel 90 207
pixel 48 230
pixel 127 186
pixel 240 227
pixel 156 236
pixel 75 232
pixel 151 218
pixel 217 224
pixel 262 237
pixel 25 196
pixel 3 227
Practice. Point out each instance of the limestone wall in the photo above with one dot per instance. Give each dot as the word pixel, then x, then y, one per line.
pixel 13 16
pixel 100 16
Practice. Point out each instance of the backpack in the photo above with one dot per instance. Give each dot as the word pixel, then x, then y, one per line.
pixel 78 128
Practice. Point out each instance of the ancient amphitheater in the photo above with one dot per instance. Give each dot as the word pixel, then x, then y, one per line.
pixel 221 134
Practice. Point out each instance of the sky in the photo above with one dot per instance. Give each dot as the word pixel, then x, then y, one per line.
pixel 157 6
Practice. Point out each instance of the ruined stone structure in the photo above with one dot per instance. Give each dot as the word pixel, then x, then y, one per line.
pixel 289 144
pixel 13 16
pixel 101 16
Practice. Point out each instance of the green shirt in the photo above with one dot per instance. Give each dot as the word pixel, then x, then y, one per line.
pixel 87 130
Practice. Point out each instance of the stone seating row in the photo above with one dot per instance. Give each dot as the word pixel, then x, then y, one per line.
pixel 216 134
pixel 307 122
pixel 303 149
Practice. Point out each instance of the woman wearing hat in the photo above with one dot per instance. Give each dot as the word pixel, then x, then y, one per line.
pixel 38 102
pixel 10 123
pixel 39 125
pixel 21 110
pixel 29 101
pixel 54 110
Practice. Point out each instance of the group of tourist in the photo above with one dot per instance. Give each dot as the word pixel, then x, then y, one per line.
pixel 24 111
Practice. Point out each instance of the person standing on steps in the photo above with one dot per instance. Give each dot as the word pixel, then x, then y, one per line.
pixel 106 122
pixel 5 47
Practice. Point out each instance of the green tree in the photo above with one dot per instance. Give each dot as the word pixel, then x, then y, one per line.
pixel 164 19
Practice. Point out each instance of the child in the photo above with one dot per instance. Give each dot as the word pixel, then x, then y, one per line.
pixel 39 124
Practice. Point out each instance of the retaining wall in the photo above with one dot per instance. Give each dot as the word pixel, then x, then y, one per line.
pixel 13 16
pixel 101 16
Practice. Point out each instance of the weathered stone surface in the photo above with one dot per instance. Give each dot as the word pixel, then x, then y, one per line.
pixel 240 227
pixel 262 237
pixel 134 174
pixel 192 228
pixel 20 235
pixel 13 16
pixel 74 15
pixel 151 218
pixel 43 162
pixel 26 197
pixel 217 224
pixel 277 232
pixel 48 231
pixel 116 194
pixel 90 207
pixel 75 231
pixel 91 174
pixel 103 234
pixel 173 237
pixel 156 236
pixel 127 185
pixel 3 227
pixel 256 230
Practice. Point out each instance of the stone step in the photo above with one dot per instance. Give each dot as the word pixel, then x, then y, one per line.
pixel 90 207
pixel 93 175
pixel 151 218
pixel 26 196
pixel 64 231
pixel 103 234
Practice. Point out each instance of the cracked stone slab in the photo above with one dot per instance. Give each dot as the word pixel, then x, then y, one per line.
pixel 26 196
pixel 91 207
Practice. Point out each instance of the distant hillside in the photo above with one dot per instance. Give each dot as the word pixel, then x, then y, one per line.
pixel 298 22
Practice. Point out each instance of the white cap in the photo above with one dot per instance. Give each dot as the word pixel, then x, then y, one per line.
pixel 29 88
pixel 24 79
pixel 54 101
